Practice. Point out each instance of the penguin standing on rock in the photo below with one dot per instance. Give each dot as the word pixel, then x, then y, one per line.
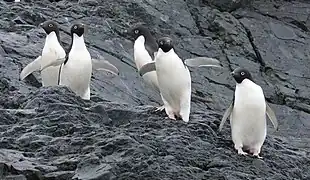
pixel 52 56
pixel 248 114
pixel 174 78
pixel 76 71
pixel 174 81
pixel 145 49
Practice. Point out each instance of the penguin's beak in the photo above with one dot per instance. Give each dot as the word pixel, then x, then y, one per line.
pixel 41 25
pixel 232 73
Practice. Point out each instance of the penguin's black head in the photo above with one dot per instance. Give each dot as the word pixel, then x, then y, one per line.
pixel 240 74
pixel 139 30
pixel 50 26
pixel 77 29
pixel 165 43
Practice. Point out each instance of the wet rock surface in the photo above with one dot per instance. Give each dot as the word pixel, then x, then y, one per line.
pixel 50 133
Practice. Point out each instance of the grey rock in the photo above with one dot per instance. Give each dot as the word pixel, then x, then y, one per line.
pixel 50 133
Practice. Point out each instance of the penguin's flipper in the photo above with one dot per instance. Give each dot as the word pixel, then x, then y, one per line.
pixel 272 116
pixel 226 114
pixel 52 59
pixel 202 62
pixel 149 67
pixel 104 65
pixel 31 67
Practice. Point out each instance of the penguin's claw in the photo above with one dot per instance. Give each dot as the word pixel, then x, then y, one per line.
pixel 257 156
pixel 168 118
pixel 172 117
pixel 161 108
pixel 241 152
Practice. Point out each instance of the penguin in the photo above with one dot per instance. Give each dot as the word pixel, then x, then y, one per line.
pixel 174 80
pixel 145 49
pixel 247 113
pixel 76 70
pixel 52 56
pixel 175 77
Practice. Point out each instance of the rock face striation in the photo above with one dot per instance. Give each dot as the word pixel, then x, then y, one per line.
pixel 50 133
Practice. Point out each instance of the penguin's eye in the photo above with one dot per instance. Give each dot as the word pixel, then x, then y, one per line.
pixel 136 31
pixel 75 27
pixel 161 42
pixel 50 25
pixel 242 73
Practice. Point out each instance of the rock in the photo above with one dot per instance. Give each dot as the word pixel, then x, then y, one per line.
pixel 282 32
pixel 17 177
pixel 50 133
pixel 61 175
pixel 227 5
pixel 89 2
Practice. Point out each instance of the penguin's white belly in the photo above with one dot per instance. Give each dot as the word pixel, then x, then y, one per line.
pixel 174 81
pixel 141 56
pixel 50 76
pixel 76 74
pixel 50 53
pixel 248 119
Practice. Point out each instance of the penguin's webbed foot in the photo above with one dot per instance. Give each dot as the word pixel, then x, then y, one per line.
pixel 171 116
pixel 168 118
pixel 255 151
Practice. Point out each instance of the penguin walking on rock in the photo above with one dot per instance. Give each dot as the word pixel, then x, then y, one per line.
pixel 145 49
pixel 52 56
pixel 174 81
pixel 248 114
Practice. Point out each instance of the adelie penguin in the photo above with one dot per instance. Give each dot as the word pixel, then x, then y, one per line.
pixel 145 49
pixel 248 114
pixel 174 78
pixel 52 56
pixel 76 70
pixel 174 81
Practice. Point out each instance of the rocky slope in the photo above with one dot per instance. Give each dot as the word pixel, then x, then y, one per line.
pixel 49 133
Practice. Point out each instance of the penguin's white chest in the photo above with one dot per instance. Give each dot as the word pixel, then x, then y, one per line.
pixel 52 47
pixel 248 119
pixel 52 51
pixel 141 55
pixel 173 78
pixel 76 73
